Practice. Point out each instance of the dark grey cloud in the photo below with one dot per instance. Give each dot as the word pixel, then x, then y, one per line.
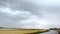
pixel 30 13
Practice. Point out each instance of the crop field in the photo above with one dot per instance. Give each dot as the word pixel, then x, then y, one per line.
pixel 22 31
pixel 58 31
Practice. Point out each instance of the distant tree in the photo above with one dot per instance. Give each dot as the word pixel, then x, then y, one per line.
pixel 53 28
pixel 1 27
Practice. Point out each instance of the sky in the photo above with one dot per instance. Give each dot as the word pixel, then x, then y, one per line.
pixel 38 14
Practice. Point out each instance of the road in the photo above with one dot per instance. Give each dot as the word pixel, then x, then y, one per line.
pixel 51 32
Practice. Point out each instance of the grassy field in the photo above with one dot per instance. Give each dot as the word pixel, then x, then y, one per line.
pixel 22 31
pixel 58 31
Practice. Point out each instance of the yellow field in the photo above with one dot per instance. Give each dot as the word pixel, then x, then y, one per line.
pixel 21 31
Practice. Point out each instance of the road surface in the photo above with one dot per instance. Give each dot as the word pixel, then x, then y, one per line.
pixel 51 32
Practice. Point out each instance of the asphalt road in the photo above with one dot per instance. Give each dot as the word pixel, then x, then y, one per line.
pixel 51 32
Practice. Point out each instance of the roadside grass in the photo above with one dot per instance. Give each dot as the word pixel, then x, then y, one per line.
pixel 22 31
